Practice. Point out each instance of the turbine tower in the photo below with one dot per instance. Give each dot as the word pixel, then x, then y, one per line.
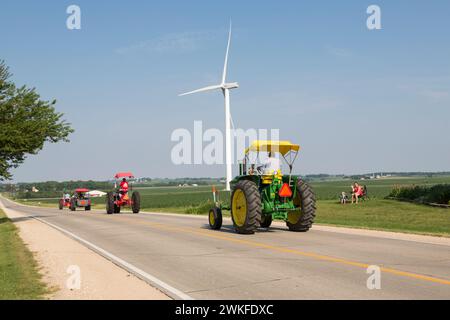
pixel 225 87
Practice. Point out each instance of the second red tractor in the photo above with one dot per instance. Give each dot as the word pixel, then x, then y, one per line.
pixel 79 199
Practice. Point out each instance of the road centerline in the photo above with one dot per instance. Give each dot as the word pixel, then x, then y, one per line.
pixel 275 248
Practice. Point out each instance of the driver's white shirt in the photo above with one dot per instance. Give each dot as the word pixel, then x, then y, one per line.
pixel 272 164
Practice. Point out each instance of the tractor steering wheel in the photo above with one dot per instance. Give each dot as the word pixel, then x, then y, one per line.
pixel 260 170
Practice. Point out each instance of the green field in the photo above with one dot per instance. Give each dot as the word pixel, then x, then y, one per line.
pixel 376 213
pixel 19 276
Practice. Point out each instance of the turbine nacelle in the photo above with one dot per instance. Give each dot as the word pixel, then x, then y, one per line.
pixel 231 85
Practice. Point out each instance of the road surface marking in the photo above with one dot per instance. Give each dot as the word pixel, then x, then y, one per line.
pixel 164 287
pixel 217 235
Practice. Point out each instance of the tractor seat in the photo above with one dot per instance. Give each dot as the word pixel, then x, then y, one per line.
pixel 267 177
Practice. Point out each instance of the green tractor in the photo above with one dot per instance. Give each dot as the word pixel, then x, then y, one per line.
pixel 261 193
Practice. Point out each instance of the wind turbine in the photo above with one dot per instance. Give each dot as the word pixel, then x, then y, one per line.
pixel 225 87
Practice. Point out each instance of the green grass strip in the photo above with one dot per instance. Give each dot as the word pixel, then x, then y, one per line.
pixel 19 275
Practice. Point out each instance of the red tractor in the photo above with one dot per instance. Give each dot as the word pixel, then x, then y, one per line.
pixel 120 197
pixel 64 201
pixel 80 199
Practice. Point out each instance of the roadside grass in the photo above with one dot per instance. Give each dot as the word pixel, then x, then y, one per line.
pixel 19 276
pixel 388 215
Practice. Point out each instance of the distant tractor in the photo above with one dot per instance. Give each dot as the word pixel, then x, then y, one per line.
pixel 64 201
pixel 120 196
pixel 260 194
pixel 79 199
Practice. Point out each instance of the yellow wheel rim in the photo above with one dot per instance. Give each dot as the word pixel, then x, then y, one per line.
pixel 211 218
pixel 239 208
pixel 294 216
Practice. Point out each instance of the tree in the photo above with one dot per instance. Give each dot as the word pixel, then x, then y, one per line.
pixel 26 123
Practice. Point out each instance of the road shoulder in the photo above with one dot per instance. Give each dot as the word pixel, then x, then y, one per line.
pixel 63 261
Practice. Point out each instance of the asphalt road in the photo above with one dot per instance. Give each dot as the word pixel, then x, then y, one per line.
pixel 182 252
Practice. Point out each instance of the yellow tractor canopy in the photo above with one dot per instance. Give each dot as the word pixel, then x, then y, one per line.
pixel 283 147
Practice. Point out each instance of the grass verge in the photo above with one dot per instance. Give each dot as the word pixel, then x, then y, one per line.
pixel 387 215
pixel 19 276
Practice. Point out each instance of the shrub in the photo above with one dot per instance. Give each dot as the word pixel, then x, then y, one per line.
pixel 435 194
pixel 439 194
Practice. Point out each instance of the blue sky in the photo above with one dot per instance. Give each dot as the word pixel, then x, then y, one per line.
pixel 355 100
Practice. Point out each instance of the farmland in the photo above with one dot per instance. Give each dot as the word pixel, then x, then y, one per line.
pixel 182 199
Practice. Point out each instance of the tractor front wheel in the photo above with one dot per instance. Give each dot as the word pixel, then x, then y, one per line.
pixel 87 208
pixel 116 208
pixel 110 203
pixel 266 220
pixel 302 220
pixel 136 202
pixel 246 207
pixel 215 218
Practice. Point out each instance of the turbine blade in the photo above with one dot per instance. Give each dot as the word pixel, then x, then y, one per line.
pixel 209 88
pixel 225 66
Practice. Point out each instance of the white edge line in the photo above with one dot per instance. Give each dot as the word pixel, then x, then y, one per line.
pixel 164 287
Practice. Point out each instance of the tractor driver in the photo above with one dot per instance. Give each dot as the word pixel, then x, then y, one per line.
pixel 66 197
pixel 123 187
pixel 272 165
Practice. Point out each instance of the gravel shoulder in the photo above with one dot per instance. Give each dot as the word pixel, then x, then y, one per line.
pixel 61 259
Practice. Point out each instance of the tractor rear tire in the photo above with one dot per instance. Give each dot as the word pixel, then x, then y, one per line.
pixel 246 207
pixel 110 203
pixel 215 218
pixel 266 220
pixel 61 204
pixel 136 202
pixel 306 199
pixel 72 205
